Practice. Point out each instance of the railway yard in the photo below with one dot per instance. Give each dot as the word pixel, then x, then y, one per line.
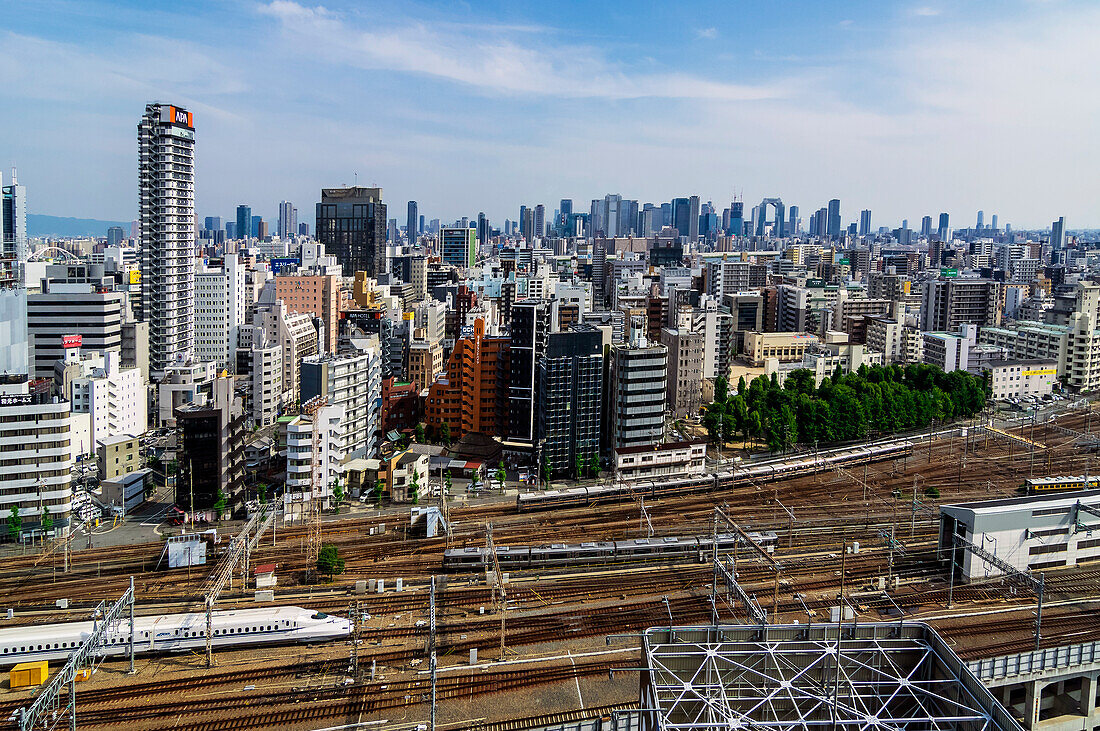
pixel 568 651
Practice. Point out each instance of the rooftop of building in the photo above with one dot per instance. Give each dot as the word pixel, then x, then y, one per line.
pixel 1056 500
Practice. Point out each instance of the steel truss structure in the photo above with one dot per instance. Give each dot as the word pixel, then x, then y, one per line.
pixel 53 704
pixel 882 677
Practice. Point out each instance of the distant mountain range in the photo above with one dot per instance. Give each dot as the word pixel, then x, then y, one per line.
pixel 40 225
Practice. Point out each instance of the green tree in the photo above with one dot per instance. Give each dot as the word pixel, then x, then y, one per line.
pixel 219 504
pixel 594 464
pixel 47 519
pixel 447 480
pixel 173 467
pixel 721 389
pixel 379 491
pixel 261 493
pixel 741 386
pixel 329 561
pixel 501 475
pixel 578 463
pixel 445 434
pixel 14 522
pixel 931 491
pixel 418 433
pixel 545 472
pixel 337 494
pixel 414 486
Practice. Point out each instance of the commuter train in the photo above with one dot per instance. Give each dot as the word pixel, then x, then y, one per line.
pixel 758 473
pixel 1044 485
pixel 174 633
pixel 637 550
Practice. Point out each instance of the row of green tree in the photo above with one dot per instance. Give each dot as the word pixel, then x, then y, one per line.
pixel 872 401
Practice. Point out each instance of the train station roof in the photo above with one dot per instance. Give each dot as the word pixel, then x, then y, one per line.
pixel 882 676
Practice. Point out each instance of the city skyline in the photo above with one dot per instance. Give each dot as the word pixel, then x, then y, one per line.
pixel 910 117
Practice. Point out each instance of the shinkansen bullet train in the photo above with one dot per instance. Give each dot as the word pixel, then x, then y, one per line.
pixel 637 550
pixel 174 633
pixel 750 474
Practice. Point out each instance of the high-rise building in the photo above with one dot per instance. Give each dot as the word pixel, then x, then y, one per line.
pixel 219 310
pixel 74 300
pixel 865 222
pixel 351 223
pixel 410 223
pixel 993 222
pixel 210 439
pixel 471 396
pixel 1058 234
pixel 114 235
pixel 244 223
pixel 540 220
pixel 693 218
pixel 565 215
pixel 926 226
pixel 13 219
pixel 166 179
pixel 685 370
pixel 288 220
pixel 230 229
pixel 353 382
pixel 458 246
pixel 254 230
pixel 948 303
pixel 212 223
pixel 737 218
pixel 942 229
pixel 530 327
pixel 483 228
pixel 303 229
pixel 681 215
pixel 981 220
pixel 792 223
pixel 833 230
pixel 637 393
pixel 570 388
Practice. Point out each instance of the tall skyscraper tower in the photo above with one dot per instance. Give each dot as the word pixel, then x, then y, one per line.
pixel 693 221
pixel 351 223
pixel 244 222
pixel 166 182
pixel 410 223
pixel 13 219
pixel 792 220
pixel 540 220
pixel 483 228
pixel 865 222
pixel 1058 234
pixel 288 220
pixel 945 223
pixel 981 220
pixel 833 230
pixel 926 226
pixel 565 214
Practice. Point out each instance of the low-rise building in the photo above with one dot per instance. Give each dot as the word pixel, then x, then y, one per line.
pixel 1028 533
pixel 786 347
pixel 659 460
pixel 117 455
pixel 1021 378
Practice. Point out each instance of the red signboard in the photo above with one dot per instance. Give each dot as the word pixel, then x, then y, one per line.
pixel 71 341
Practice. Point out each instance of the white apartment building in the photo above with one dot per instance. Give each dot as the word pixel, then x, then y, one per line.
pixel 313 460
pixel 220 309
pixel 114 397
pixel 354 383
pixel 297 337
pixel 37 457
pixel 1021 378
pixel 181 385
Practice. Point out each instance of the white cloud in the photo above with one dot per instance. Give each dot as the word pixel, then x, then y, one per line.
pixel 490 62
pixel 925 11
pixel 708 33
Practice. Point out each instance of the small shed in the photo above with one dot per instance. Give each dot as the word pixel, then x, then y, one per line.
pixel 265 576
pixel 27 674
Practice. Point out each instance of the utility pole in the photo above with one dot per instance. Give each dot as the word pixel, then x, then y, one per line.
pixel 431 648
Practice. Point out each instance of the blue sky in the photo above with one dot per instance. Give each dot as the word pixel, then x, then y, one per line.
pixel 907 108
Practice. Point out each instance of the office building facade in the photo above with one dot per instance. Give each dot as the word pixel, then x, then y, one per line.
pixel 351 224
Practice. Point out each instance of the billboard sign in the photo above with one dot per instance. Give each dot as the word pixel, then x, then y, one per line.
pixel 71 341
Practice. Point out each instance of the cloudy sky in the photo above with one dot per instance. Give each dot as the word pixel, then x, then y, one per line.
pixel 904 108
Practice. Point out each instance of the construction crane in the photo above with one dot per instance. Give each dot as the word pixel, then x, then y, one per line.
pixel 500 596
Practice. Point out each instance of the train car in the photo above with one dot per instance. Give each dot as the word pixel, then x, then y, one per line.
pixel 1044 485
pixel 174 633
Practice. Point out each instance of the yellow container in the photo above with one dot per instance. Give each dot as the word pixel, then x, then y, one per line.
pixel 27 674
pixel 82 674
